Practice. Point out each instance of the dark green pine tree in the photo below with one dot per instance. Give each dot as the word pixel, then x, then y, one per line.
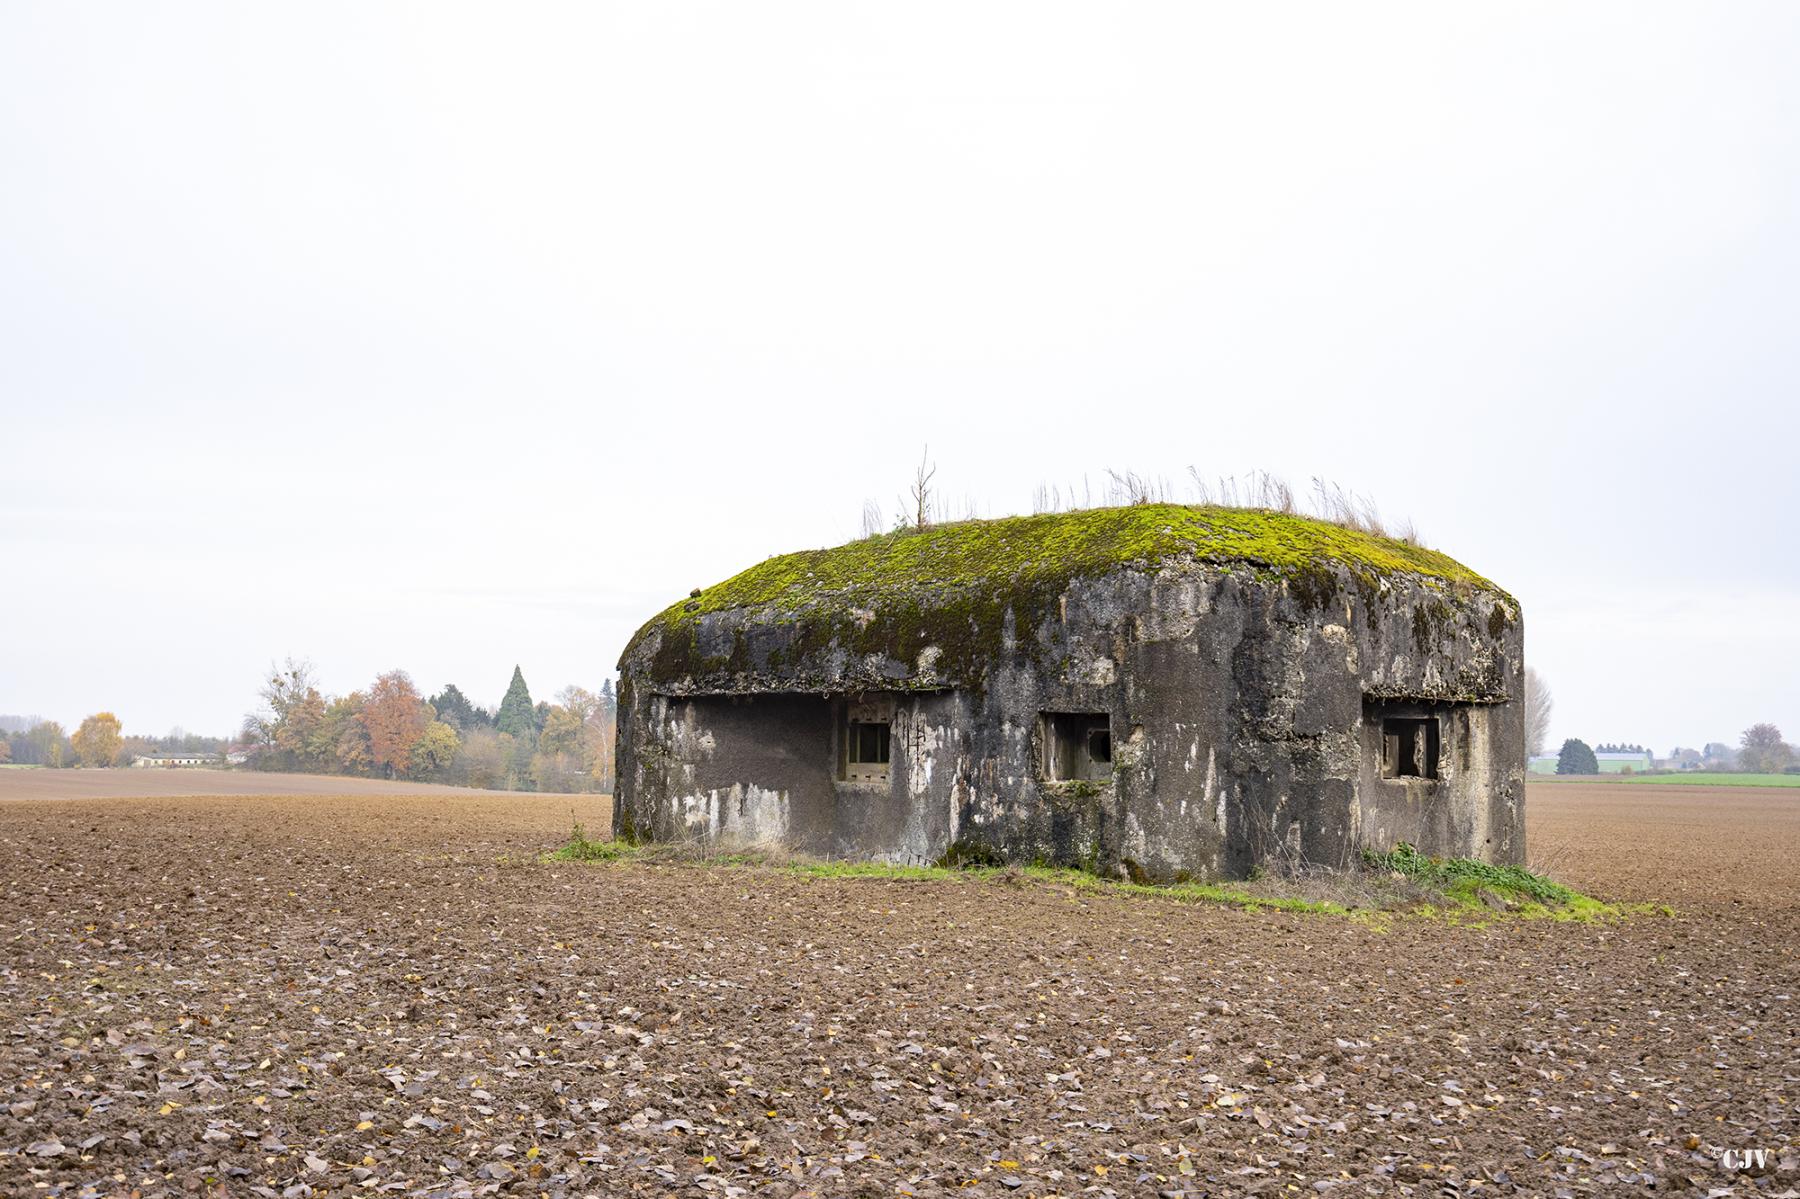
pixel 454 708
pixel 1576 758
pixel 517 715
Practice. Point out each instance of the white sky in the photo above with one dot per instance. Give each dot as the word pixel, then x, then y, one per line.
pixel 445 337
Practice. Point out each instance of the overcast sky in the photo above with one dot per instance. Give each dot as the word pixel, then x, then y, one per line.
pixel 449 337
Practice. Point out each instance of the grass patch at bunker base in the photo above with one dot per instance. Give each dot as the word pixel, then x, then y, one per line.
pixel 1470 889
pixel 580 848
pixel 1464 875
pixel 1400 882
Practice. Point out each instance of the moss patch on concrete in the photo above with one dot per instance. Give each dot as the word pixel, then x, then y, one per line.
pixel 1067 545
pixel 965 587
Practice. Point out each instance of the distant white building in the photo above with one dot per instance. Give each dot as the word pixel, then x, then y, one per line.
pixel 177 760
pixel 1610 762
pixel 1619 761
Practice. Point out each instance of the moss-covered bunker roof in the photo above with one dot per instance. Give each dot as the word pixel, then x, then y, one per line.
pixel 1033 553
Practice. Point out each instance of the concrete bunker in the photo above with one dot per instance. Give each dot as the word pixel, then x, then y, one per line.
pixel 1172 690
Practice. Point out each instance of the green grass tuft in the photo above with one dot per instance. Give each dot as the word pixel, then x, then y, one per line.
pixel 1463 879
pixel 579 848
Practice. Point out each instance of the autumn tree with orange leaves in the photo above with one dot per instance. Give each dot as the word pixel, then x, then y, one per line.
pixel 97 742
pixel 395 717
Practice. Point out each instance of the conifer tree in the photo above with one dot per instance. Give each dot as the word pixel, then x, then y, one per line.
pixel 454 708
pixel 518 716
pixel 1576 758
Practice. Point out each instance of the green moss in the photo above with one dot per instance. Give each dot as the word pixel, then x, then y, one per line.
pixel 966 587
pixel 1431 622
pixel 1060 546
pixel 1497 620
pixel 1314 588
pixel 965 852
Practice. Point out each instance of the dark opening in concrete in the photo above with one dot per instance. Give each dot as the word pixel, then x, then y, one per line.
pixel 1077 745
pixel 866 750
pixel 1409 747
pixel 868 743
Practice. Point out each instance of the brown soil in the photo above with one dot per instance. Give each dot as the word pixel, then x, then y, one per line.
pixel 363 994
pixel 137 782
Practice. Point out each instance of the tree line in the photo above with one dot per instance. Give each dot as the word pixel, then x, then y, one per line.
pixel 390 730
pixel 1761 750
pixel 99 740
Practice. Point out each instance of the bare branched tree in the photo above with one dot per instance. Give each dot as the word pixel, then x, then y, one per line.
pixel 1763 751
pixel 287 685
pixel 920 491
pixel 1538 706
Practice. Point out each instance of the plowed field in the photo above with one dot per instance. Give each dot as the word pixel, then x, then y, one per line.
pixel 388 994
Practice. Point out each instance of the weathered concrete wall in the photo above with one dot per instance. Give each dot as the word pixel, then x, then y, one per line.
pixel 1245 717
pixel 1475 807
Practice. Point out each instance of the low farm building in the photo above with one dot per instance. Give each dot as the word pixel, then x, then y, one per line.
pixel 1624 761
pixel 174 760
pixel 1161 690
